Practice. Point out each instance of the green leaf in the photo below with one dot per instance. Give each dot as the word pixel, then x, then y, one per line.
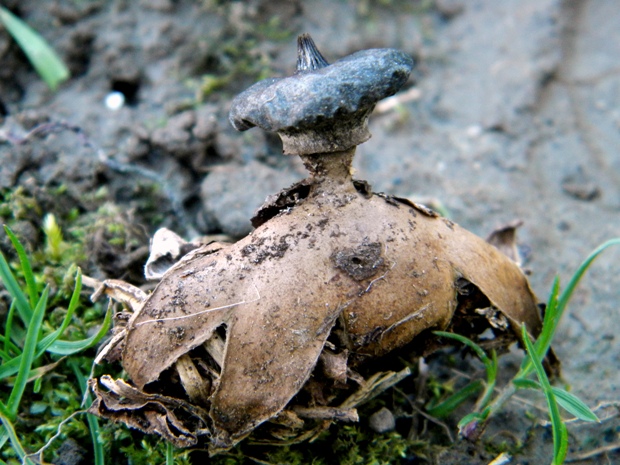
pixel 4 410
pixel 490 364
pixel 72 347
pixel 8 279
pixel 522 383
pixel 93 423
pixel 4 355
pixel 17 446
pixel 4 436
pixel 547 332
pixel 28 355
pixel 8 345
pixel 58 347
pixel 560 456
pixel 169 454
pixel 26 267
pixel 448 406
pixel 11 367
pixel 42 57
pixel 569 402
pixel 467 419
pixel 469 343
pixel 556 307
pixel 573 405
pixel 572 284
pixel 558 428
pixel 48 340
pixel 557 304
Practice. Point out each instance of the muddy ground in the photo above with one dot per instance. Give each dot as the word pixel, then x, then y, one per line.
pixel 513 113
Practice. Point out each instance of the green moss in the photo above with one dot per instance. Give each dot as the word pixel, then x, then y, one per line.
pixel 274 30
pixel 241 63
pixel 350 445
pixel 508 443
pixel 18 205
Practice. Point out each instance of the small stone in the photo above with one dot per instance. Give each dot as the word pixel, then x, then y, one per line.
pixel 382 421
pixel 70 453
pixel 579 191
pixel 450 8
pixel 580 186
pixel 115 100
pixel 231 206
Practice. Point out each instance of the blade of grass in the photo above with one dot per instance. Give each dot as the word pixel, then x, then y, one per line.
pixel 7 356
pixel 4 355
pixel 3 410
pixel 569 402
pixel 11 367
pixel 169 454
pixel 72 347
pixel 37 373
pixel 558 303
pixel 93 423
pixel 558 428
pixel 543 342
pixel 4 436
pixel 574 405
pixel 522 383
pixel 473 416
pixel 60 347
pixel 26 267
pixel 42 57
pixel 8 345
pixel 48 340
pixel 449 405
pixel 8 279
pixel 490 364
pixel 574 281
pixel 17 446
pixel 469 343
pixel 28 354
pixel 485 400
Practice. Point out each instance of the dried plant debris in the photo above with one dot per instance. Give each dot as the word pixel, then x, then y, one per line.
pixel 279 329
pixel 505 239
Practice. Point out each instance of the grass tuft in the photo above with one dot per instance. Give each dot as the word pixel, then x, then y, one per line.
pixel 474 423
pixel 33 350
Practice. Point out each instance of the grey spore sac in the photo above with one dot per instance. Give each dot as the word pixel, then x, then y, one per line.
pixel 322 108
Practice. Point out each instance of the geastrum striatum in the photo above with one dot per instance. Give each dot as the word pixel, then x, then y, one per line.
pixel 231 335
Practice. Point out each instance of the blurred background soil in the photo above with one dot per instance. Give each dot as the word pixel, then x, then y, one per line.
pixel 512 112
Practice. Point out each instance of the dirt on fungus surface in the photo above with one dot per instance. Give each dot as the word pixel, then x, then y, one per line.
pixel 513 112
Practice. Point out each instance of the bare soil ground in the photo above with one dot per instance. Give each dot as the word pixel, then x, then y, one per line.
pixel 514 113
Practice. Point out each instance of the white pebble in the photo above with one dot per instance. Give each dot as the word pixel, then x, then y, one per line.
pixel 382 421
pixel 115 100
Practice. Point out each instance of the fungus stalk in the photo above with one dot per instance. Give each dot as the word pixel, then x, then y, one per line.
pixel 332 168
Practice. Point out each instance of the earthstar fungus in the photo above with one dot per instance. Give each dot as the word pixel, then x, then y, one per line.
pixel 280 330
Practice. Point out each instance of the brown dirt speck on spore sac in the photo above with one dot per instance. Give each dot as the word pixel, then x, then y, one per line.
pixel 261 249
pixel 361 262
